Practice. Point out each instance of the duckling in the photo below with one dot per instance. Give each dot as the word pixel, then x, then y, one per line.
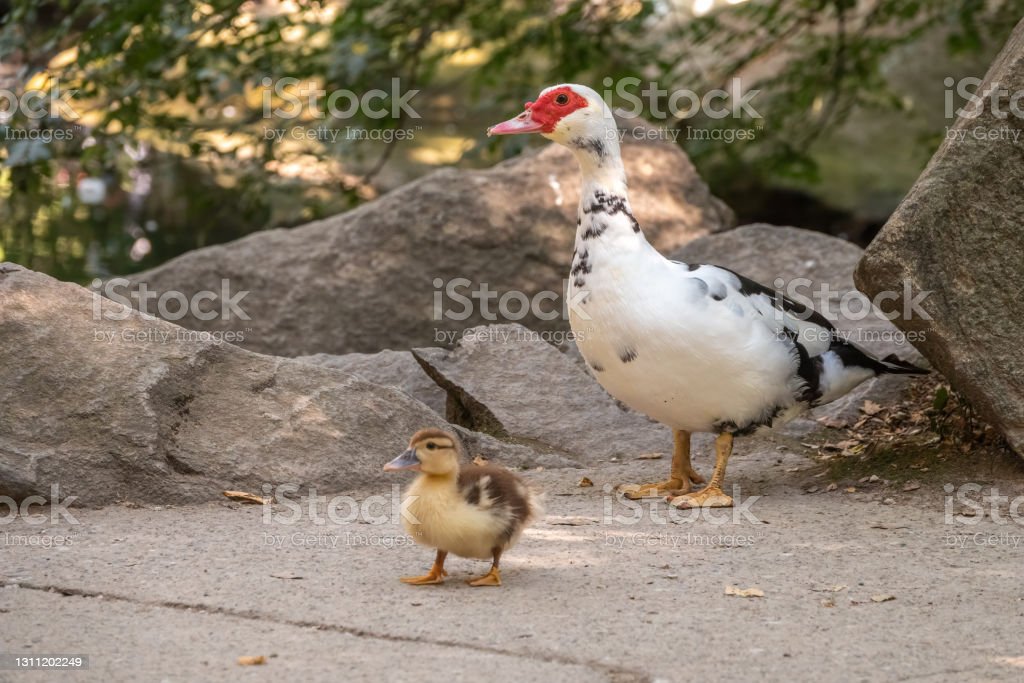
pixel 476 511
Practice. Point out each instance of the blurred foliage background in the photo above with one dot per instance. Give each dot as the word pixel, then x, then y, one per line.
pixel 181 125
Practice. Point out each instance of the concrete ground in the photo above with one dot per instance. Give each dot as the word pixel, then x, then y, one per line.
pixel 873 585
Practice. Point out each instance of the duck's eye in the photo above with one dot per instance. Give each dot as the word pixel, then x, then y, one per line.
pixel 431 445
pixel 562 99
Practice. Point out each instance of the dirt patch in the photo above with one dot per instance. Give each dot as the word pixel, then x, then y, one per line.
pixel 931 436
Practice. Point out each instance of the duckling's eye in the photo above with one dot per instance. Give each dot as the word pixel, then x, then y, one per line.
pixel 562 99
pixel 431 445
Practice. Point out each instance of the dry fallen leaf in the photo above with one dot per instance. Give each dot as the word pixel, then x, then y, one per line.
pixel 571 521
pixel 832 487
pixel 753 592
pixel 854 450
pixel 650 456
pixel 911 486
pixel 243 497
pixel 831 589
pixel 851 489
pixel 871 408
pixel 252 660
pixel 1012 661
pixel 882 598
pixel 480 460
pixel 833 422
pixel 828 602
pixel 584 482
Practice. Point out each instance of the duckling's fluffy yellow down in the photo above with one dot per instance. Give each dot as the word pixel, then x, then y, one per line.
pixel 471 519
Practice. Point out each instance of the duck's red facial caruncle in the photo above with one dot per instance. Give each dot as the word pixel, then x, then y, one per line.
pixel 543 115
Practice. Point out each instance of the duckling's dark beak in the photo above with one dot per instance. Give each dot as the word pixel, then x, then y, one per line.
pixel 406 461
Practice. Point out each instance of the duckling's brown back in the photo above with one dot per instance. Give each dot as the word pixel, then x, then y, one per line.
pixel 500 491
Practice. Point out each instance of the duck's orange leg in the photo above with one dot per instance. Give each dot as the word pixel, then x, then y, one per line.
pixel 711 496
pixel 681 479
pixel 436 574
pixel 491 578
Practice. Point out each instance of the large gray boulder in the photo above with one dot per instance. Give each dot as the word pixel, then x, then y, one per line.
pixel 504 380
pixel 388 368
pixel 367 279
pixel 818 269
pixel 957 240
pixel 138 409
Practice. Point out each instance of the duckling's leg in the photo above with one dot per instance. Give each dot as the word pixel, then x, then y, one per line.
pixel 711 496
pixel 436 574
pixel 681 478
pixel 491 578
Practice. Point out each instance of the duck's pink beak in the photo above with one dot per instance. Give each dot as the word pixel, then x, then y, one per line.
pixel 523 123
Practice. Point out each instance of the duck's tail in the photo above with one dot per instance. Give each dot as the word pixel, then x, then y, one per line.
pixel 894 365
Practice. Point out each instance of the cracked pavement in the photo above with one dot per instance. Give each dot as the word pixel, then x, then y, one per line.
pixel 180 593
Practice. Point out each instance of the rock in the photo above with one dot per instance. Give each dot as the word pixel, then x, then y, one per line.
pixel 802 262
pixel 399 369
pixel 765 252
pixel 885 390
pixel 141 410
pixel 504 381
pixel 388 368
pixel 957 239
pixel 371 278
pixel 569 348
pixel 512 455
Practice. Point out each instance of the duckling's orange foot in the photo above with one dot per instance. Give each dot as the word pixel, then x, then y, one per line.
pixel 707 497
pixel 669 487
pixel 435 576
pixel 491 578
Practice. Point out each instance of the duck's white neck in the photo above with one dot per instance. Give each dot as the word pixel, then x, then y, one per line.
pixel 605 216
pixel 600 162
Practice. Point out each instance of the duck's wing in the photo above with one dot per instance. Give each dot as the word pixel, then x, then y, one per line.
pixel 784 315
pixel 499 492
pixel 829 365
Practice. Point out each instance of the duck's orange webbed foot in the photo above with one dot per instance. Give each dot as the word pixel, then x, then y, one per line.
pixel 434 576
pixel 711 496
pixel 675 486
pixel 427 579
pixel 681 479
pixel 707 497
pixel 491 578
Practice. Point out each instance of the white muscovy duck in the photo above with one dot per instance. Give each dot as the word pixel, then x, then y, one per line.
pixel 696 347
